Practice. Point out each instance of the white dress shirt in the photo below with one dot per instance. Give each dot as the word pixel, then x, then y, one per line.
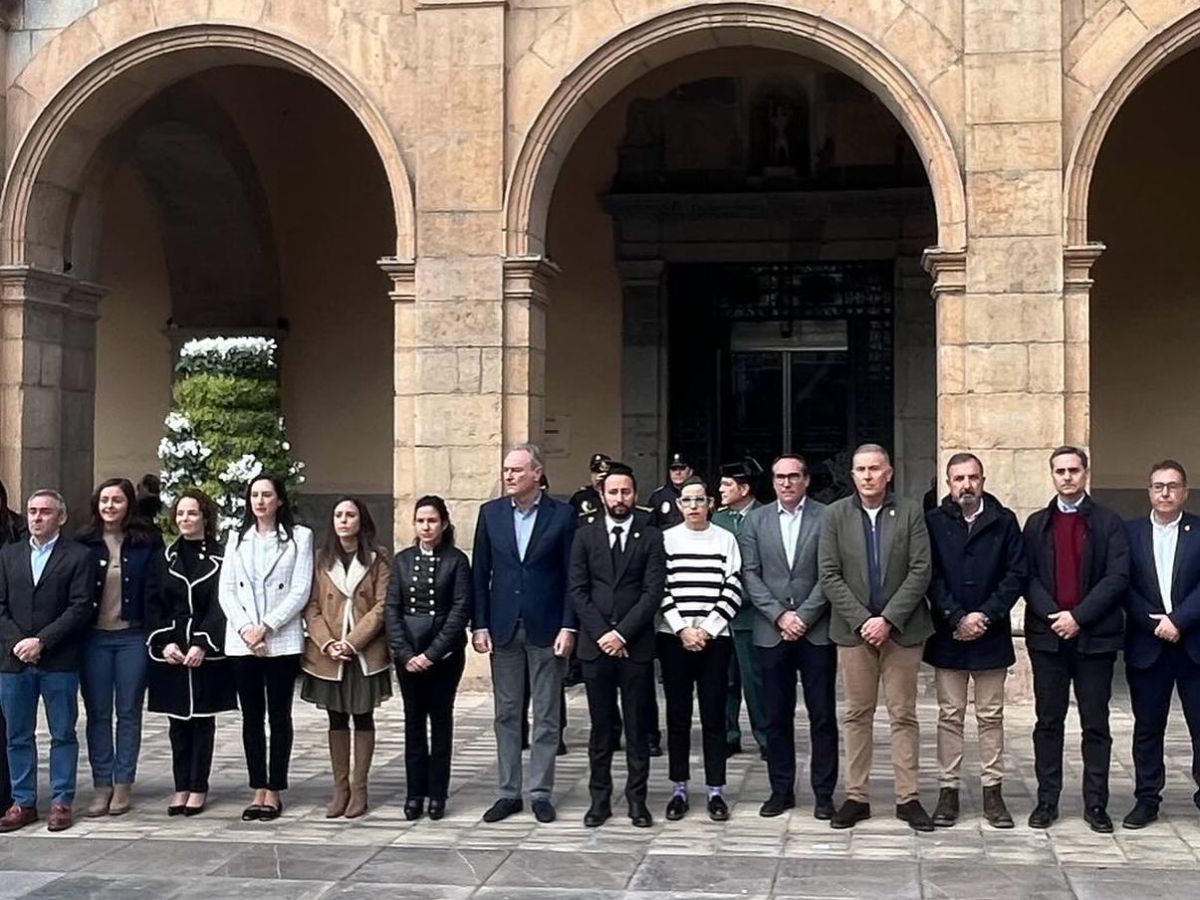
pixel 610 523
pixel 789 527
pixel 1166 539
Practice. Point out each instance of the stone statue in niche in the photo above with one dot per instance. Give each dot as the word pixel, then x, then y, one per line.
pixel 781 152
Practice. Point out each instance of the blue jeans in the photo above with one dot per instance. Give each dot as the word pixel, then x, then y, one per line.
pixel 19 694
pixel 114 666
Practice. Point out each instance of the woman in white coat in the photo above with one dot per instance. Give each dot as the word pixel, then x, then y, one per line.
pixel 266 578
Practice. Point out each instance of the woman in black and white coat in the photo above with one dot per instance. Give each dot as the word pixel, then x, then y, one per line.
pixel 189 678
pixel 266 579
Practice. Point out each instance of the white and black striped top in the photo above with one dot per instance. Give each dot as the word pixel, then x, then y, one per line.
pixel 704 587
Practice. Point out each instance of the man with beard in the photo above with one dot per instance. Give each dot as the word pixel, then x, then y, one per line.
pixel 979 572
pixel 617 574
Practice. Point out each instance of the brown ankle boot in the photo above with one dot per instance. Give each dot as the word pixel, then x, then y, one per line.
pixel 339 759
pixel 364 749
pixel 946 813
pixel 994 809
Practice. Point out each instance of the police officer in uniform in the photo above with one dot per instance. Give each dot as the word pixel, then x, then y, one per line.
pixel 664 510
pixel 738 481
pixel 586 500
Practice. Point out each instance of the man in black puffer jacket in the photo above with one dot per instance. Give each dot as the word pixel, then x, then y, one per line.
pixel 979 571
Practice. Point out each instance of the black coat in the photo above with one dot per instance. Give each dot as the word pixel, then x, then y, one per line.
pixel 419 622
pixel 1104 578
pixel 142 570
pixel 982 570
pixel 625 600
pixel 59 610
pixel 1144 599
pixel 188 613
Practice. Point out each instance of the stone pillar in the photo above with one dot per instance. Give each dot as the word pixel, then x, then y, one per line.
pixel 47 384
pixel 404 487
pixel 456 384
pixel 526 293
pixel 644 370
pixel 1008 375
pixel 1077 290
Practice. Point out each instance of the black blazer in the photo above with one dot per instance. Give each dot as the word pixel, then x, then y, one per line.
pixel 444 631
pixel 625 600
pixel 1103 580
pixel 142 568
pixel 59 610
pixel 1142 648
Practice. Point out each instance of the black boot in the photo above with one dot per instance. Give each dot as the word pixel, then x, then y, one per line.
pixel 946 813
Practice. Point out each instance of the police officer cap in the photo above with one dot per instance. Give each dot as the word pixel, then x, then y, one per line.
pixel 601 462
pixel 744 471
pixel 678 462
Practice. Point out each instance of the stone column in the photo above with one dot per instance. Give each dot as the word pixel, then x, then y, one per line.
pixel 644 369
pixel 526 293
pixel 1077 290
pixel 47 383
pixel 456 383
pixel 1009 406
pixel 404 487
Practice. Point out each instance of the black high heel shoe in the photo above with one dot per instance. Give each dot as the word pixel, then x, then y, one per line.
pixel 269 813
pixel 413 807
pixel 176 810
pixel 437 809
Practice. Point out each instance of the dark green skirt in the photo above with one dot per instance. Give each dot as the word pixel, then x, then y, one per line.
pixel 354 695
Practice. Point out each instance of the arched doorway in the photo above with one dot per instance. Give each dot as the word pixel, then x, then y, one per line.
pixel 215 180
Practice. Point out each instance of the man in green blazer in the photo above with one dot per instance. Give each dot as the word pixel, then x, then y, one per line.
pixel 874 565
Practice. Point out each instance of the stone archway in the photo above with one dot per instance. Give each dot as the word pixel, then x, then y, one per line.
pixel 48 386
pixel 682 32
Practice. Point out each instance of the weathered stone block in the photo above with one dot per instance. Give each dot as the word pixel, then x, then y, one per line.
pixel 1008 146
pixel 464 323
pixel 1014 203
pixel 461 171
pixel 468 369
pixel 996 368
pixel 437 370
pixel 458 278
pixel 1014 264
pixel 451 37
pixel 475 471
pixel 997 319
pixel 951 319
pixel 923 48
pixel 457 420
pixel 1046 372
pixel 1012 25
pixel 1013 87
pixel 1014 420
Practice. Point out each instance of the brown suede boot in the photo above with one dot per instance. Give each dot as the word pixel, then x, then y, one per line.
pixel 364 749
pixel 946 813
pixel 339 758
pixel 994 809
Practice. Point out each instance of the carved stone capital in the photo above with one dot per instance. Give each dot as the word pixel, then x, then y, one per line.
pixel 30 286
pixel 403 273
pixel 527 278
pixel 1077 265
pixel 948 268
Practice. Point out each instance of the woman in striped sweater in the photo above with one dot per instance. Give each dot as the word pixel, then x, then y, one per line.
pixel 703 594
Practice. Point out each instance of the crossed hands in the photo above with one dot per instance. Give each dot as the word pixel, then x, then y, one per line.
pixel 610 642
pixel 1166 629
pixel 1064 625
pixel 418 663
pixel 791 626
pixel 255 637
pixel 694 639
pixel 28 650
pixel 339 651
pixel 876 631
pixel 176 657
pixel 971 627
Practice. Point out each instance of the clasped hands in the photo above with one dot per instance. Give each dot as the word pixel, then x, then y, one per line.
pixel 971 627
pixel 876 631
pixel 28 650
pixel 255 637
pixel 176 657
pixel 564 642
pixel 791 626
pixel 1165 629
pixel 1064 625
pixel 612 645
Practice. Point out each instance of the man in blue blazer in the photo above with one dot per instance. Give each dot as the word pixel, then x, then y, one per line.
pixel 1162 643
pixel 523 619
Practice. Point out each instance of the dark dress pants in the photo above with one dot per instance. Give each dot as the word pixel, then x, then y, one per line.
pixel 192 752
pixel 5 778
pixel 429 724
pixel 607 678
pixel 1150 692
pixel 817 666
pixel 1054 673
pixel 706 672
pixel 265 687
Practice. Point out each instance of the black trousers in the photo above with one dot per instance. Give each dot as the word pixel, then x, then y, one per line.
pixel 265 687
pixel 429 724
pixel 707 672
pixel 192 752
pixel 817 665
pixel 607 678
pixel 1054 673
pixel 1150 692
pixel 6 799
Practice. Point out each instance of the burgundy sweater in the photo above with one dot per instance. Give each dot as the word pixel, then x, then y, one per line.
pixel 1069 531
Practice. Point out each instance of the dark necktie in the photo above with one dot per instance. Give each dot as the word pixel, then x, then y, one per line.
pixel 616 546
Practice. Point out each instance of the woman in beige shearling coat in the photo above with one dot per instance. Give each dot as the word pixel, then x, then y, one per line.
pixel 347 666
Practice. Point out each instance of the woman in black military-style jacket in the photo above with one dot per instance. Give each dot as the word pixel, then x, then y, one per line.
pixel 428 604
pixel 189 678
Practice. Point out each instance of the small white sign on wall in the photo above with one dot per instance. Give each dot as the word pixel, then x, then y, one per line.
pixel 556 440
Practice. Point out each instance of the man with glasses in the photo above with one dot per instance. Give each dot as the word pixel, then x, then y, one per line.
pixel 874 565
pixel 791 634
pixel 664 502
pixel 1074 624
pixel 1162 644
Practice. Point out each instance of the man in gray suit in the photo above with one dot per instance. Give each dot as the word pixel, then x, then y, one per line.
pixel 874 561
pixel 791 634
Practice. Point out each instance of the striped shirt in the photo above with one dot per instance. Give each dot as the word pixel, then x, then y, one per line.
pixel 704 588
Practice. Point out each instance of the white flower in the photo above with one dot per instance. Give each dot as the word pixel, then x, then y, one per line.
pixel 241 470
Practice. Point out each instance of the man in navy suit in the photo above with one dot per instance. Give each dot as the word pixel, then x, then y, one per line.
pixel 523 619
pixel 1162 643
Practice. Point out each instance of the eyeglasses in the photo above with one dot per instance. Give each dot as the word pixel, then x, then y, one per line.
pixel 789 477
pixel 1166 487
pixel 693 501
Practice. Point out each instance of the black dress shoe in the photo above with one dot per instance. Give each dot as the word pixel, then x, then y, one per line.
pixel 562 748
pixel 851 813
pixel 270 813
pixel 543 811
pixel 945 814
pixel 597 816
pixel 190 811
pixel 824 809
pixel 413 807
pixel 640 816
pixel 914 814
pixel 437 809
pixel 1043 816
pixel 175 810
pixel 1098 820
pixel 777 805
pixel 502 809
pixel 677 808
pixel 252 813
pixel 718 811
pixel 1143 813
pixel 655 747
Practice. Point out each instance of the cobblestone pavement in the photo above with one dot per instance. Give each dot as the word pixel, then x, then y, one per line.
pixel 302 855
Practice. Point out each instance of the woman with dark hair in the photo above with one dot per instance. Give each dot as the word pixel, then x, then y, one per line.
pixel 347 669
pixel 12 530
pixel 189 678
pixel 128 553
pixel 428 603
pixel 266 579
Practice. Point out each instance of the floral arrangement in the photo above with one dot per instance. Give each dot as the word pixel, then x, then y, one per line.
pixel 225 427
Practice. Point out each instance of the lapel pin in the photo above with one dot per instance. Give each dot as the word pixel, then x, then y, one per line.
pixel 1187 527
pixel 892 513
pixel 636 535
